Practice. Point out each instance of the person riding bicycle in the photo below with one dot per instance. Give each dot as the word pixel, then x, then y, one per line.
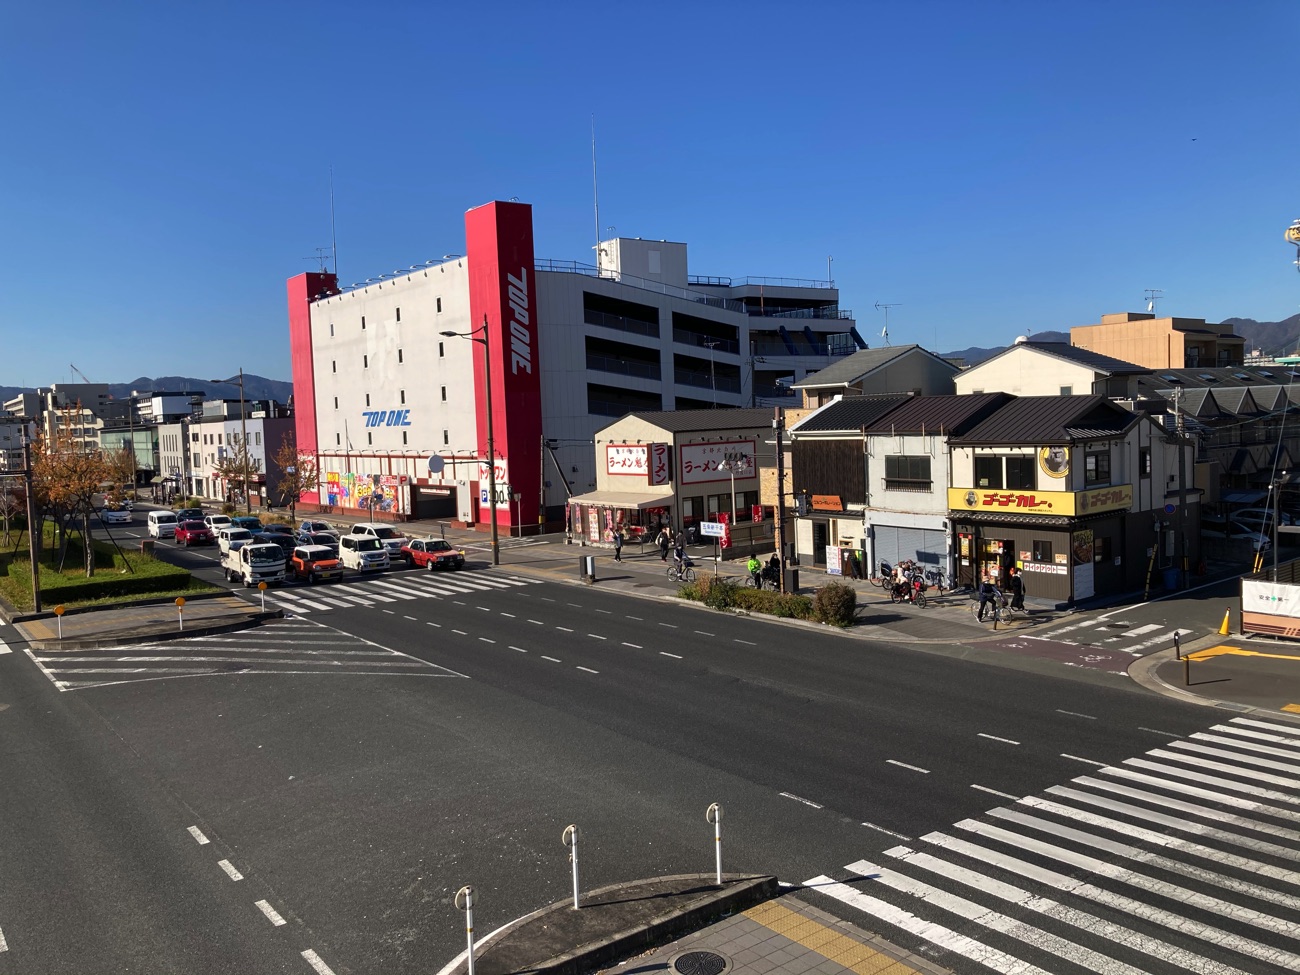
pixel 681 562
pixel 989 593
pixel 755 569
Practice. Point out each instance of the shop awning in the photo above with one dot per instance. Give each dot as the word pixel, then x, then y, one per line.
pixel 640 500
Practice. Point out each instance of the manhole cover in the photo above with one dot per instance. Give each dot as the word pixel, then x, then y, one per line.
pixel 700 963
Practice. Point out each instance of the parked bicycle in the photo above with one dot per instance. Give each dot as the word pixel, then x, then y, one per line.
pixel 769 578
pixel 937 579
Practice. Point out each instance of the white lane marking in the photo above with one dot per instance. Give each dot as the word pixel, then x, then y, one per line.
pixel 806 802
pixel 1133 878
pixel 702 633
pixel 1256 735
pixel 231 872
pixel 61 685
pixel 1293 735
pixel 1241 757
pixel 887 832
pixel 390 612
pixel 4 648
pixel 509 615
pixel 1086 761
pixel 665 653
pixel 564 629
pixel 914 768
pixel 574 605
pixel 551 659
pixel 198 836
pixel 1023 933
pixel 597 636
pixel 483 609
pixel 1076 714
pixel 607 612
pixel 484 639
pixel 933 933
pixel 314 960
pixel 1142 629
pixel 634 646
pixel 1161 638
pixel 1120 902
pixel 671 626
pixel 1157 731
pixel 4 945
pixel 460 632
pixel 412 618
pixel 984 788
pixel 1245 746
pixel 1250 790
pixel 438 625
pixel 637 618
pixel 1008 741
pixel 520 649
pixel 1018 896
pixel 746 642
pixel 589 670
pixel 538 622
pixel 271 913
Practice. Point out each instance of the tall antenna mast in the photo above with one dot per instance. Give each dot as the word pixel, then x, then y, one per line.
pixel 595 191
pixel 1152 296
pixel 334 239
pixel 884 332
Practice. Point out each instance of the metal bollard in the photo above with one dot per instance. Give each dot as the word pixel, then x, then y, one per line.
pixel 1178 647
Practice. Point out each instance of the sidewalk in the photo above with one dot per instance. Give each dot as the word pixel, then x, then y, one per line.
pixel 1241 674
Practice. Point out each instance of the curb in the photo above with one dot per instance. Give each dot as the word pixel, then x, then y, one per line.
pixel 46 614
pixel 1144 674
pixel 128 637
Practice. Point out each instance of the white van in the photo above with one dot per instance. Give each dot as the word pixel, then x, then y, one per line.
pixel 363 553
pixel 162 524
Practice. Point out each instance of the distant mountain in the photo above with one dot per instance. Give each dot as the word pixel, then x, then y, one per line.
pixel 255 387
pixel 977 354
pixel 1272 338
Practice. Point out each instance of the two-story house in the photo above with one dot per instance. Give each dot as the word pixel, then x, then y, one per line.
pixel 1029 368
pixel 1077 492
pixel 899 369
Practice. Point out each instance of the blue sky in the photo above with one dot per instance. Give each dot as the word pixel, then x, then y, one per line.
pixel 989 167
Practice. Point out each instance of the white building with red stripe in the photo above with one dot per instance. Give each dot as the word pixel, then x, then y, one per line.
pixel 379 390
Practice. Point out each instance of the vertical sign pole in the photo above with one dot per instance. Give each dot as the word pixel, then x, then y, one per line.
pixel 465 901
pixel 714 815
pixel 570 839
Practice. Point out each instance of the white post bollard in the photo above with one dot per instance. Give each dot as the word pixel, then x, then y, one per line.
pixel 465 901
pixel 261 588
pixel 570 839
pixel 714 815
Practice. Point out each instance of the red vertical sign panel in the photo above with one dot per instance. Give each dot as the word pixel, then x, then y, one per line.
pixel 302 290
pixel 503 293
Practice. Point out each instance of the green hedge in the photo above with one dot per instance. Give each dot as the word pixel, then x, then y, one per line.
pixel 724 593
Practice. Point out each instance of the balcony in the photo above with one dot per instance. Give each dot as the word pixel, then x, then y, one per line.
pixel 635 326
pixel 698 340
pixel 624 367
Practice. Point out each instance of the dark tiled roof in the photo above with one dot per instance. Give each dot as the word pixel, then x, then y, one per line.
pixel 686 421
pixel 1084 357
pixel 851 413
pixel 1050 419
pixel 852 368
pixel 951 415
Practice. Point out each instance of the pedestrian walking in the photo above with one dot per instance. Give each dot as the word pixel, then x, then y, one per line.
pixel 665 543
pixel 618 545
pixel 1016 584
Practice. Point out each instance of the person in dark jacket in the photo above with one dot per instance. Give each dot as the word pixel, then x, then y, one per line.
pixel 988 594
pixel 665 542
pixel 1016 583
pixel 618 544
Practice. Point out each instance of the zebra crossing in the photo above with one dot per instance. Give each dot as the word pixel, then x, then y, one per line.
pixel 286 646
pixel 1186 859
pixel 389 589
pixel 1115 635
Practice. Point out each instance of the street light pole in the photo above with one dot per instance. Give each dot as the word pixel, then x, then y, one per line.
pixel 491 444
pixel 713 383
pixel 243 430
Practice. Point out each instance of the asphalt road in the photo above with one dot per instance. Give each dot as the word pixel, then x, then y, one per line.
pixel 356 793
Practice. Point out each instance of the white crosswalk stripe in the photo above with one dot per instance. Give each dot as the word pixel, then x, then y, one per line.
pixel 1185 858
pixel 289 646
pixel 1105 635
pixel 367 592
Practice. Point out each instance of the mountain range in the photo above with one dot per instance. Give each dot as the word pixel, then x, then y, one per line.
pixel 255 388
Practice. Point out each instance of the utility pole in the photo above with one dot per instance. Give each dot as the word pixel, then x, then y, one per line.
pixel 778 424
pixel 1180 543
pixel 32 528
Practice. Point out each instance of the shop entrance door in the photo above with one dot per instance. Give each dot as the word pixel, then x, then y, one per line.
pixel 995 557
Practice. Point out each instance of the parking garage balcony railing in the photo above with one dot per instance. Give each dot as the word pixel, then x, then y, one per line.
pixel 698 339
pixel 624 367
pixel 726 282
pixel 702 380
pixel 631 280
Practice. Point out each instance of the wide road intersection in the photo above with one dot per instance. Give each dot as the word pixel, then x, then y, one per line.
pixel 356 764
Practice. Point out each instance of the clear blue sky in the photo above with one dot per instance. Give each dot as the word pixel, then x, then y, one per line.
pixel 990 167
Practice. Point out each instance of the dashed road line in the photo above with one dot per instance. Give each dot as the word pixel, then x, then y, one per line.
pixel 746 642
pixel 671 626
pixel 520 649
pixel 665 653
pixel 509 615
pixel 551 659
pixel 412 618
pixel 1008 741
pixel 4 945
pixel 1076 714
pixel 589 670
pixel 1004 795
pixel 887 832
pixel 231 872
pixel 484 639
pixel 914 768
pixel 702 633
pixel 459 632
pixel 199 838
pixel 314 960
pixel 806 802
pixel 564 629
pixel 634 646
pixel 637 618
pixel 390 612
pixel 1157 731
pixel 430 623
pixel 271 913
pixel 597 636
pixel 538 622
pixel 607 612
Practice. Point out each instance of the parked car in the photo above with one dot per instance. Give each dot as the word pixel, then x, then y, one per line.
pixel 328 539
pixel 315 563
pixel 433 554
pixel 251 522
pixel 388 536
pixel 278 528
pixel 314 526
pixel 217 522
pixel 232 539
pixel 193 533
pixel 1259 519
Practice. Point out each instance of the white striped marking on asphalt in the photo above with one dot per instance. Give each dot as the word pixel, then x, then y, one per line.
pixel 1243 757
pixel 538 622
pixel 702 633
pixel 607 612
pixel 597 636
pixel 1162 638
pixel 1008 741
pixel 4 945
pixel 1192 790
pixel 564 629
pixel 1120 902
pixel 411 618
pixel 1157 731
pixel 671 626
pixel 390 612
pixel 483 609
pixel 933 933
pixel 634 646
pixel 1143 629
pixel 45 670
pixel 509 615
pixel 589 670
pixel 746 642
pixel 1250 790
pixel 398 591
pixel 984 788
pixel 637 618
pixel 1290 731
pixel 314 960
pixel 551 659
pixel 520 649
pixel 4 648
pixel 1068 915
pixel 806 802
pixel 438 625
pixel 460 632
pixel 1123 875
pixel 484 639
pixel 1087 761
pixel 887 832
pixel 1024 933
pixel 914 768
pixel 1076 714
pixel 198 836
pixel 231 872
pixel 665 653
pixel 271 913
pixel 1245 745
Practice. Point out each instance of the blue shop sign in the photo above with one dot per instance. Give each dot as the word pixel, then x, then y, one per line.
pixel 387 418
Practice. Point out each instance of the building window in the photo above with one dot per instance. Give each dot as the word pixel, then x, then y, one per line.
pixel 1096 468
pixel 363 323
pixel 1067 390
pixel 1144 462
pixel 399 355
pixel 903 473
pixel 438 305
pixel 399 314
pixel 444 394
pixel 336 402
pixel 1101 550
pixel 402 396
pixel 988 472
pixel 334 366
pixel 1042 551
pixel 257 438
pixel 440 352
pixel 219 439
pixel 337 440
pixel 403 436
pixel 1021 474
pixel 367 399
pixel 370 438
pixel 365 362
pixel 331 329
pixel 445 439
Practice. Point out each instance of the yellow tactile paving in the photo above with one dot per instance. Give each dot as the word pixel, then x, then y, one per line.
pixel 1219 651
pixel 1293 708
pixel 853 955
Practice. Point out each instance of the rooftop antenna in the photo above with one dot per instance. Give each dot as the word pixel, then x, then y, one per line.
pixel 884 332
pixel 1153 295
pixel 320 257
pixel 334 239
pixel 595 191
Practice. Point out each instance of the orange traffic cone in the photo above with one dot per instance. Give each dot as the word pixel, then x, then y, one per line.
pixel 1224 627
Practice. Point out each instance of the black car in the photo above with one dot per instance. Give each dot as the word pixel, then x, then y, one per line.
pixel 328 539
pixel 278 528
pixel 189 514
pixel 286 542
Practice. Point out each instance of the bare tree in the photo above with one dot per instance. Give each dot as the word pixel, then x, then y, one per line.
pixel 298 473
pixel 237 466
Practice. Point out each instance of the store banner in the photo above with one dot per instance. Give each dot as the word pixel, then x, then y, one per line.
pixel 1273 598
pixel 661 464
pixel 702 462
pixel 623 459
pixel 1081 556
